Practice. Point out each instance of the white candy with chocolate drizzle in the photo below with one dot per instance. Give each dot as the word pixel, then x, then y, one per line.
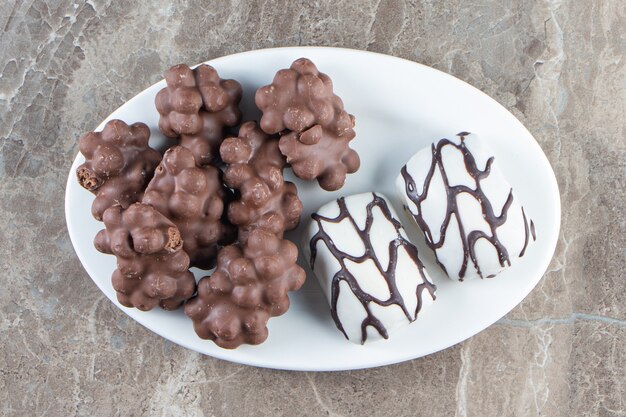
pixel 367 267
pixel 466 208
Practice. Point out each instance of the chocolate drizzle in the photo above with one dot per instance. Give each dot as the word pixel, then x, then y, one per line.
pixel 468 240
pixel 532 225
pixel 387 273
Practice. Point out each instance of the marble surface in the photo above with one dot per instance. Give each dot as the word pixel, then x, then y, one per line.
pixel 557 65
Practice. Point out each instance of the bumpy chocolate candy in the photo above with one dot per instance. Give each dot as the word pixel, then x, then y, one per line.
pixel 255 170
pixel 193 199
pixel 322 155
pixel 299 98
pixel 152 267
pixel 249 286
pixel 196 106
pixel 118 164
pixel 315 128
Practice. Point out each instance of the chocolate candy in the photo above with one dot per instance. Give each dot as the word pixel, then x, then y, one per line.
pixel 467 210
pixel 252 278
pixel 299 98
pixel 118 164
pixel 249 286
pixel 152 267
pixel 367 267
pixel 181 221
pixel 193 198
pixel 322 155
pixel 196 106
pixel 255 170
pixel 315 128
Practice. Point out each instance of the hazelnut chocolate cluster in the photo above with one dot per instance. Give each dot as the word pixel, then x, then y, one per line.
pixel 255 170
pixel 315 129
pixel 196 106
pixel 253 277
pixel 163 216
pixel 152 267
pixel 193 198
pixel 249 286
pixel 118 164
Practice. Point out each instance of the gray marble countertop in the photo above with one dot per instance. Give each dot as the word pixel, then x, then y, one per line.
pixel 559 66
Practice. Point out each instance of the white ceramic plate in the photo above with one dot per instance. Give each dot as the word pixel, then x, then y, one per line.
pixel 400 107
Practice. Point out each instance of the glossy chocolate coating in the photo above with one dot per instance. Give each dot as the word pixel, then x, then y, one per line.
pixel 249 285
pixel 252 278
pixel 299 98
pixel 322 155
pixel 194 199
pixel 196 106
pixel 118 164
pixel 255 169
pixel 152 267
pixel 301 106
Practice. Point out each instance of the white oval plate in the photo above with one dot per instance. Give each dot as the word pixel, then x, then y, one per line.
pixel 400 107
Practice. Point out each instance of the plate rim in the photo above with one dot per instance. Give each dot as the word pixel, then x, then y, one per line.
pixel 223 354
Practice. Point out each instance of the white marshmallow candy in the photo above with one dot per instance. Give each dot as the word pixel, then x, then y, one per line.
pixel 467 210
pixel 366 266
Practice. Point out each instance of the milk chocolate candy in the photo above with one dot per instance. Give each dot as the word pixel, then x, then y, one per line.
pixel 152 267
pixel 301 106
pixel 367 267
pixel 249 285
pixel 470 216
pixel 193 198
pixel 252 278
pixel 255 169
pixel 299 98
pixel 196 106
pixel 118 164
pixel 318 154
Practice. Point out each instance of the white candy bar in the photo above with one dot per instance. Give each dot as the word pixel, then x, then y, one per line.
pixel 367 267
pixel 467 210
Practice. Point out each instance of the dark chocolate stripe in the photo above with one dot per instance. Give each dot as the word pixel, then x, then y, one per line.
pixel 468 241
pixel 525 234
pixel 388 274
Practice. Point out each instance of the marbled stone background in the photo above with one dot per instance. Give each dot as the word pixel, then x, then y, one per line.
pixel 559 66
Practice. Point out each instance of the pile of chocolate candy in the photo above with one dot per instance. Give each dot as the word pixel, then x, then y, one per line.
pixel 214 200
